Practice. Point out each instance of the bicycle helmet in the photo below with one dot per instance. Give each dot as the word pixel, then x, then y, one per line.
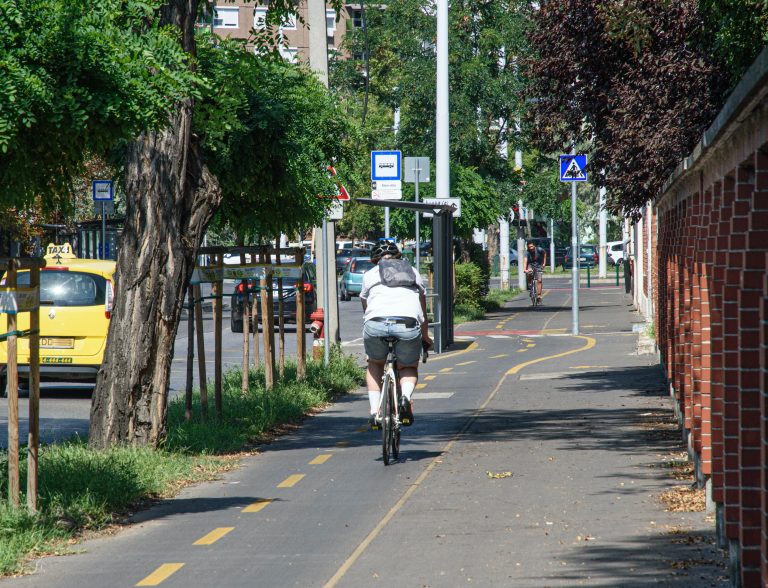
pixel 384 248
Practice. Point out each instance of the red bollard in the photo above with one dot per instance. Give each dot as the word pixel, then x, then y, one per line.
pixel 317 329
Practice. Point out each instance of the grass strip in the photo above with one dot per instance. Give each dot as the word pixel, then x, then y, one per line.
pixel 493 301
pixel 82 489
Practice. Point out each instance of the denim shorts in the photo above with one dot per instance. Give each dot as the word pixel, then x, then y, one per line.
pixel 407 348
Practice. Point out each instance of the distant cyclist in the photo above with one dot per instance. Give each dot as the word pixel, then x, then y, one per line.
pixel 533 265
pixel 395 305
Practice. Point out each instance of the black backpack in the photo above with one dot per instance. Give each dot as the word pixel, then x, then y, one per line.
pixel 396 273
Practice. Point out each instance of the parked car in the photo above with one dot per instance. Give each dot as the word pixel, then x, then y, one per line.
pixel 352 279
pixel 343 257
pixel 76 297
pixel 615 251
pixel 289 298
pixel 587 257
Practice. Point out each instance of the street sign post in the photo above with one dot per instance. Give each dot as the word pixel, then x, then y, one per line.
pixel 416 172
pixel 444 202
pixel 386 179
pixel 102 192
pixel 573 169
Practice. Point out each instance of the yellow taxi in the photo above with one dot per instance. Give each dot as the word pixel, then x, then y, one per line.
pixel 76 297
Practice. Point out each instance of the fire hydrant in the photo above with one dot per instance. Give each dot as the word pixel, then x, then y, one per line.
pixel 317 328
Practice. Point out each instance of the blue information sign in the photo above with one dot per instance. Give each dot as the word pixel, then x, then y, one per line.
pixel 386 165
pixel 573 168
pixel 102 191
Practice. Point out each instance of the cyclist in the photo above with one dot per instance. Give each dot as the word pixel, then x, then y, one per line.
pixel 533 265
pixel 394 303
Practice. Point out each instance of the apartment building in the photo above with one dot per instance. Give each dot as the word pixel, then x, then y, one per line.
pixel 237 19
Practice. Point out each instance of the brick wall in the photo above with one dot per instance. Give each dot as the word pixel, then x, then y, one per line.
pixel 711 310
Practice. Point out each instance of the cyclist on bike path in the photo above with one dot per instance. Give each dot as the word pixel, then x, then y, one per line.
pixel 399 311
pixel 534 262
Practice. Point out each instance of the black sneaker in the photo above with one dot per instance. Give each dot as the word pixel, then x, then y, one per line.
pixel 406 412
pixel 374 423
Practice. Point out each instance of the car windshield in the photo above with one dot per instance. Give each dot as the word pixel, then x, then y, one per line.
pixel 360 266
pixel 66 288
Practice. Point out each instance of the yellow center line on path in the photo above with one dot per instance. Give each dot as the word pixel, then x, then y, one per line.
pixel 531 345
pixel 360 549
pixel 445 370
pixel 522 350
pixel 321 459
pixel 429 378
pixel 420 386
pixel 214 536
pixel 471 347
pixel 161 574
pixel 257 506
pixel 499 356
pixel 466 362
pixel 291 481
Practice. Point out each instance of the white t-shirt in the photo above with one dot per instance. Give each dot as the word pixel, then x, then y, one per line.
pixel 385 301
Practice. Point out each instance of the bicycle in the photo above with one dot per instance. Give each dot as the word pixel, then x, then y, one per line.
pixel 389 405
pixel 532 282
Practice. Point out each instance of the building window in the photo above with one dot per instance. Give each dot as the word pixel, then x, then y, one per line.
pixel 259 18
pixel 290 54
pixel 226 18
pixel 330 22
pixel 289 24
pixel 356 15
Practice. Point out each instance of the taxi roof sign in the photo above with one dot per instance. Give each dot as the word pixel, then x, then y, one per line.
pixel 58 253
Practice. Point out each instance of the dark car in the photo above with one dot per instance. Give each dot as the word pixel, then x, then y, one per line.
pixel 289 298
pixel 587 258
pixel 343 257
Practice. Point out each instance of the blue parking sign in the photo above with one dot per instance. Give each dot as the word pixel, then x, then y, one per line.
pixel 573 168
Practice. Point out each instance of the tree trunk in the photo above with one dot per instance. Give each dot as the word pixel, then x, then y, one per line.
pixel 170 199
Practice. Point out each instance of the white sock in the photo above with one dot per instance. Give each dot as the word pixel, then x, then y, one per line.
pixel 408 388
pixel 374 396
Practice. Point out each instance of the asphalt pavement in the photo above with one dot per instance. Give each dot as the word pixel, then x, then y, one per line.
pixel 530 463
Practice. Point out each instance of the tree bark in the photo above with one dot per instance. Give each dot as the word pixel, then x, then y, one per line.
pixel 170 199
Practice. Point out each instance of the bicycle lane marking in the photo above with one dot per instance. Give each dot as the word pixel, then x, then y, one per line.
pixel 361 548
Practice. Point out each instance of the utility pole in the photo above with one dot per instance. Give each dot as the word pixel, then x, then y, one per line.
pixel 603 269
pixel 442 164
pixel 326 247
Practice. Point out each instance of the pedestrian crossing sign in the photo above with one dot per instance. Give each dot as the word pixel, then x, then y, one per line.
pixel 573 168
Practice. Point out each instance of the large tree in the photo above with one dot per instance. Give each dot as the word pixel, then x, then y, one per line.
pixel 171 196
pixel 636 81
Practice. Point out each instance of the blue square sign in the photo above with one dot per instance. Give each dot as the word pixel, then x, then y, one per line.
pixel 386 165
pixel 573 168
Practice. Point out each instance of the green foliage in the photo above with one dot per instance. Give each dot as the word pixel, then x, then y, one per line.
pixel 78 77
pixel 269 130
pixel 469 285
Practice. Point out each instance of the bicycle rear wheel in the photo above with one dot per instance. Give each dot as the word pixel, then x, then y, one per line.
pixel 395 427
pixel 386 418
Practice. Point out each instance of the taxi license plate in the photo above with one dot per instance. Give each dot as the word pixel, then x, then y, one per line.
pixel 57 343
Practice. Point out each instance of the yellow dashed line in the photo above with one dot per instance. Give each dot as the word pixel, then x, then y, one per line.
pixel 527 340
pixel 531 345
pixel 362 428
pixel 445 370
pixel 257 506
pixel 420 386
pixel 501 326
pixel 429 378
pixel 291 481
pixel 321 459
pixel 499 356
pixel 213 536
pixel 590 343
pixel 341 444
pixel 162 573
pixel 522 350
pixel 466 362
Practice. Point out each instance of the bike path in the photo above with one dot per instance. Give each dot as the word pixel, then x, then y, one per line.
pixel 318 508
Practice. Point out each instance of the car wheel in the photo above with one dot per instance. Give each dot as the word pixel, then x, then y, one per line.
pixel 344 294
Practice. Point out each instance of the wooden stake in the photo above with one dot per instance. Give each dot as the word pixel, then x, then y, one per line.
pixel 33 437
pixel 255 320
pixel 301 342
pixel 245 385
pixel 266 315
pixel 217 327
pixel 190 353
pixel 13 399
pixel 281 314
pixel 202 376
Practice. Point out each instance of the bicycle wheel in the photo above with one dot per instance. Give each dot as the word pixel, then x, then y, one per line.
pixel 386 418
pixel 395 429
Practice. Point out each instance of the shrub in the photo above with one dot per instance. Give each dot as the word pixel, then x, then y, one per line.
pixel 469 285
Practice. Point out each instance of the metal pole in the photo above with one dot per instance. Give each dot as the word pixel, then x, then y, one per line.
pixel 574 261
pixel 442 164
pixel 603 235
pixel 418 238
pixel 504 252
pixel 521 251
pixel 103 231
pixel 386 221
pixel 552 245
pixel 326 299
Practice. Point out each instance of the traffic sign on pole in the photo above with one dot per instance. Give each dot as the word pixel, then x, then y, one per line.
pixel 102 190
pixel 386 165
pixel 573 168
